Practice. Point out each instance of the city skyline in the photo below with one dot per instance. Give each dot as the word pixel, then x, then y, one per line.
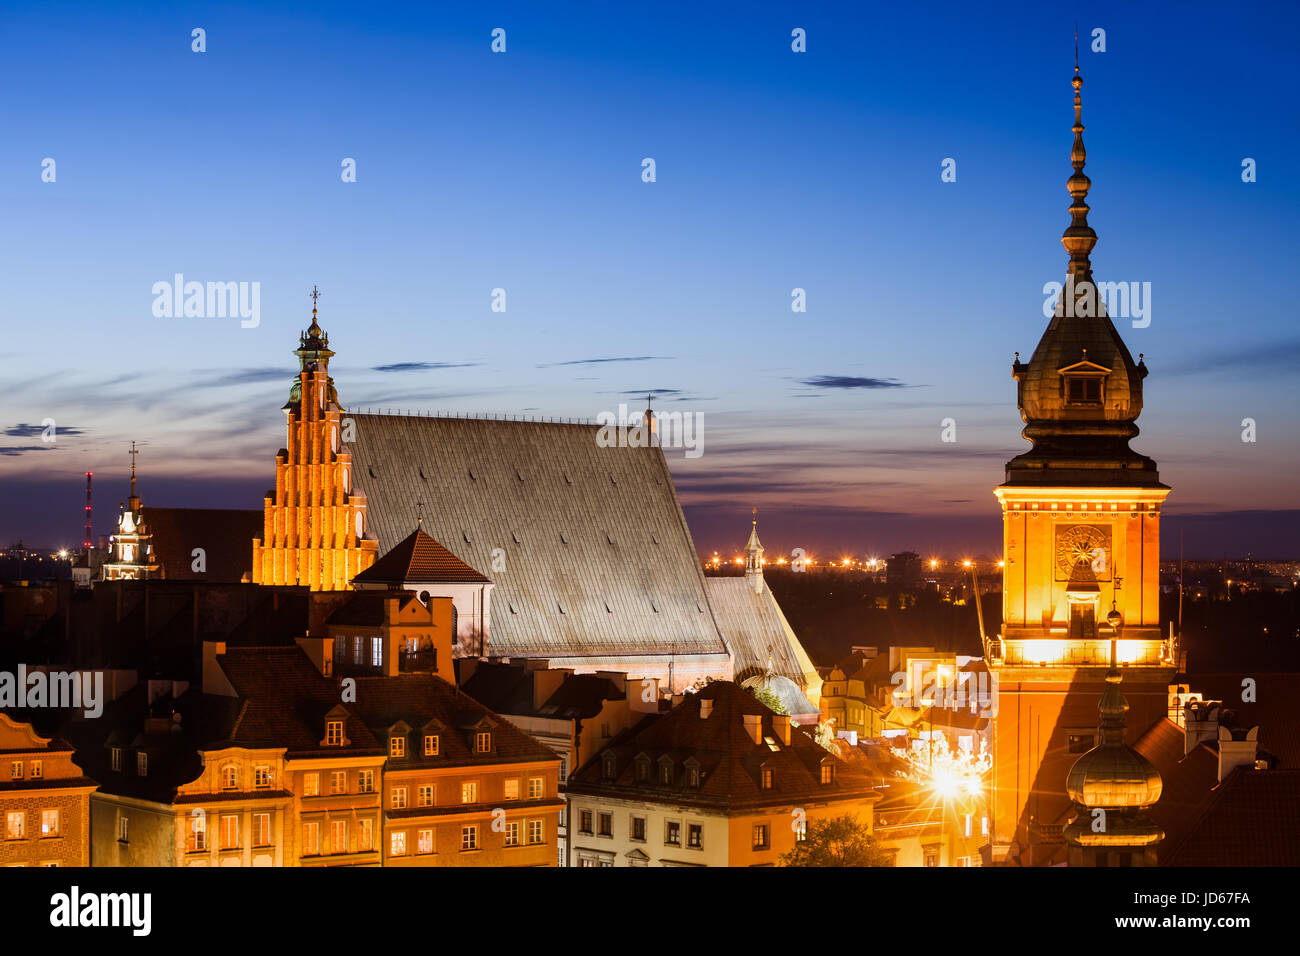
pixel 774 171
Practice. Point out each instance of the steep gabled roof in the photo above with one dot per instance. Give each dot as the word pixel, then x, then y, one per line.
pixel 598 558
pixel 419 559
pixel 754 626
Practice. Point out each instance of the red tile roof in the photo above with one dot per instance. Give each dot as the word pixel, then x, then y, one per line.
pixel 1251 819
pixel 418 559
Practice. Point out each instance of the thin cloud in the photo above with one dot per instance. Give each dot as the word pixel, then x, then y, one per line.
pixel 602 361
pixel 851 381
pixel 421 366
pixel 23 430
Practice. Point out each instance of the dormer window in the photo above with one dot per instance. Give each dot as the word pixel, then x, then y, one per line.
pixel 765 778
pixel 828 772
pixel 396 746
pixel 483 742
pixel 334 733
pixel 611 767
pixel 1081 390
pixel 142 764
pixel 1083 384
pixel 431 745
pixel 116 755
pixel 230 778
pixel 642 770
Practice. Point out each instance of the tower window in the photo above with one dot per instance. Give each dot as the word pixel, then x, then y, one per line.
pixel 1082 390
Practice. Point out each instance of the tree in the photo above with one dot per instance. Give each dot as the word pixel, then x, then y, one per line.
pixel 769 700
pixel 837 841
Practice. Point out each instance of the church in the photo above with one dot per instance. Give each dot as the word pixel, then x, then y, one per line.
pixel 553 547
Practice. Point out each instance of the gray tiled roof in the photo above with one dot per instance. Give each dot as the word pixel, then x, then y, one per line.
pixel 752 624
pixel 598 558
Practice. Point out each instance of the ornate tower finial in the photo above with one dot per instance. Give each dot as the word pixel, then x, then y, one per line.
pixel 133 452
pixel 1078 237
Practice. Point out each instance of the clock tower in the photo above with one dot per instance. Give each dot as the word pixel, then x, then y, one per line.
pixel 1081 549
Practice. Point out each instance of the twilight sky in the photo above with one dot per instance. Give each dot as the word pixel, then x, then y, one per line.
pixel 522 171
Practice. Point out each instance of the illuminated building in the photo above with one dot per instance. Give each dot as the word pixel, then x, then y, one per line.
pixel 720 780
pixel 314 529
pixel 44 803
pixel 130 556
pixel 1081 539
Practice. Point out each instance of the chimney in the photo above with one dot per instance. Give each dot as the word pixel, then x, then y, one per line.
pixel 706 708
pixel 1200 722
pixel 643 695
pixel 754 727
pixel 1234 752
pixel 214 678
pixel 783 727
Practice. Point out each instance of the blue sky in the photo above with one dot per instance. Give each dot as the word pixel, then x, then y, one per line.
pixel 522 171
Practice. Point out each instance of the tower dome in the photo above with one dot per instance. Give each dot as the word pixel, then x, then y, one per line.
pixel 1111 775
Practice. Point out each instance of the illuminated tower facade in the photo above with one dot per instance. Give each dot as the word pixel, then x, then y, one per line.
pixel 130 552
pixel 315 532
pixel 1081 546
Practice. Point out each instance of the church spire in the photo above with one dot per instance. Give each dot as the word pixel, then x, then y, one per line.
pixel 754 556
pixel 1078 237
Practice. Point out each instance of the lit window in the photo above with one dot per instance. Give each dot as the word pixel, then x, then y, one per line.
pixel 399 798
pixel 397 843
pixel 828 772
pixel 765 778
pixel 535 831
pixel 512 833
pixel 425 842
pixel 339 836
pixel 16 770
pixel 469 838
pixel 431 745
pixel 536 787
pixel 261 829
pixel 334 733
pixel 262 777
pixel 425 796
pixel 396 746
pixel 310 839
pixel 693 777
pixel 38 769
pixel 198 839
pixel 483 743
pixel 15 825
pixel 762 839
pixel 365 835
pixel 229 778
pixel 230 832
pixel 311 785
pixel 338 781
pixel 512 790
pixel 365 781
pixel 469 791
pixel 376 652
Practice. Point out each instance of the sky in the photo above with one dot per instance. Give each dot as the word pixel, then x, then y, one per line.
pixel 522 171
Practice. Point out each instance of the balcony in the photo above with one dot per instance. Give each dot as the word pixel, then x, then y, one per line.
pixel 418 662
